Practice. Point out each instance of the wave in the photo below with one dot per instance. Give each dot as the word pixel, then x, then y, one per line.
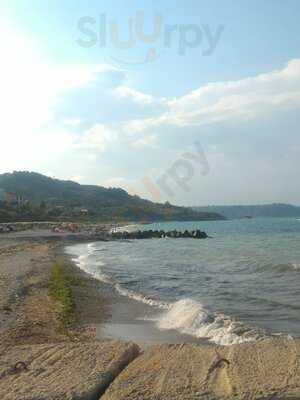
pixel 95 270
pixel 280 268
pixel 82 262
pixel 186 316
pixel 190 317
pixel 140 297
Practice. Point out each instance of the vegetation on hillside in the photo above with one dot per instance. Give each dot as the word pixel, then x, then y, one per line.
pixel 53 199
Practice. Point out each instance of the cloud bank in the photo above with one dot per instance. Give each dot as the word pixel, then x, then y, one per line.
pixel 88 121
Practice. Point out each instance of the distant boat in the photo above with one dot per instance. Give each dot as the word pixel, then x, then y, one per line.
pixel 247 217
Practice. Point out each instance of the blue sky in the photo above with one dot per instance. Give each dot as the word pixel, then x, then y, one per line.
pixel 204 112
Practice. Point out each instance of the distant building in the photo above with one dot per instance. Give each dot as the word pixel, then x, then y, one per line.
pixel 81 210
pixel 10 198
pixel 60 208
pixel 2 195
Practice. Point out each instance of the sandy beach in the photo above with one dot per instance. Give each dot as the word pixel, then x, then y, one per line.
pixel 28 314
pixel 104 325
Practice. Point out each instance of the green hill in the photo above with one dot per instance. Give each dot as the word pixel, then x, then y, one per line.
pixel 56 199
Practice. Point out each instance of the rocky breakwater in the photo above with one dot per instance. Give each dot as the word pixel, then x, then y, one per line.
pixel 155 234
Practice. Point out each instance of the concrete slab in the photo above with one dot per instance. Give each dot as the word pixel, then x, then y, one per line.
pixel 80 371
pixel 268 369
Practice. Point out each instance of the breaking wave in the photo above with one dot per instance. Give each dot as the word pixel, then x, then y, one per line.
pixel 82 262
pixel 186 316
pixel 190 317
pixel 140 297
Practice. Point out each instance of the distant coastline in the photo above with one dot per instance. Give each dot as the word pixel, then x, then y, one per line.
pixel 276 210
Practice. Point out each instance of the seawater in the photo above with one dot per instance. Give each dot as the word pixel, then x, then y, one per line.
pixel 240 285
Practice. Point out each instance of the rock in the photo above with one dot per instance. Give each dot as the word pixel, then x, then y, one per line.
pixel 200 235
pixel 117 235
pixel 158 234
pixel 186 234
pixel 65 371
pixel 125 235
pixel 255 370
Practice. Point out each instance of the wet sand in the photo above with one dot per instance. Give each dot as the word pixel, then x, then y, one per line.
pixel 131 320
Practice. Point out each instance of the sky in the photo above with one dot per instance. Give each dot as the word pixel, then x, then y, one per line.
pixel 195 103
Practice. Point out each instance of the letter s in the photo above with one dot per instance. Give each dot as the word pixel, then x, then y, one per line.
pixel 84 29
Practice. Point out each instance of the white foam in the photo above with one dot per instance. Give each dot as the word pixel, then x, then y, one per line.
pixel 190 317
pixel 126 228
pixel 94 270
pixel 186 316
pixel 140 297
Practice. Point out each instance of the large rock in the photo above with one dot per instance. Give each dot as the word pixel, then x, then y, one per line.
pixel 66 371
pixel 268 369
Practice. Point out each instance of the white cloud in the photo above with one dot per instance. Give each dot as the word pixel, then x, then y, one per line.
pixel 38 134
pixel 97 138
pixel 78 178
pixel 134 95
pixel 30 91
pixel 146 141
pixel 222 101
pixel 72 122
pixel 29 88
pixel 137 96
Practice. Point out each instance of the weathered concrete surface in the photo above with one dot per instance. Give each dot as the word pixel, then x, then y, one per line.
pixel 268 369
pixel 80 371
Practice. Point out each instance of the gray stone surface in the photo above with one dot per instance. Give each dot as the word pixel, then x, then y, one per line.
pixel 268 369
pixel 80 371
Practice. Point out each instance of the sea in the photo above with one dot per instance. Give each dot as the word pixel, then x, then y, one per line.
pixel 241 284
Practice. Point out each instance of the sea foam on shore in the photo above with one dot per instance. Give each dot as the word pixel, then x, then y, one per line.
pixel 187 316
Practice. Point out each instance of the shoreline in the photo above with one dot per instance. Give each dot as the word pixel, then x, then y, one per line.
pixel 128 319
pixel 97 359
pixel 101 312
pixel 112 315
pixel 146 320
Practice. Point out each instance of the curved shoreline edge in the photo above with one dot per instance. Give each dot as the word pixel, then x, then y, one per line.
pixel 88 368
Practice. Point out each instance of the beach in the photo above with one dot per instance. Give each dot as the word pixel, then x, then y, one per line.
pixel 26 263
pixel 108 352
pixel 28 313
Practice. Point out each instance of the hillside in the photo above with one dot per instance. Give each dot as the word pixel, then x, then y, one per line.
pixel 55 199
pixel 267 210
